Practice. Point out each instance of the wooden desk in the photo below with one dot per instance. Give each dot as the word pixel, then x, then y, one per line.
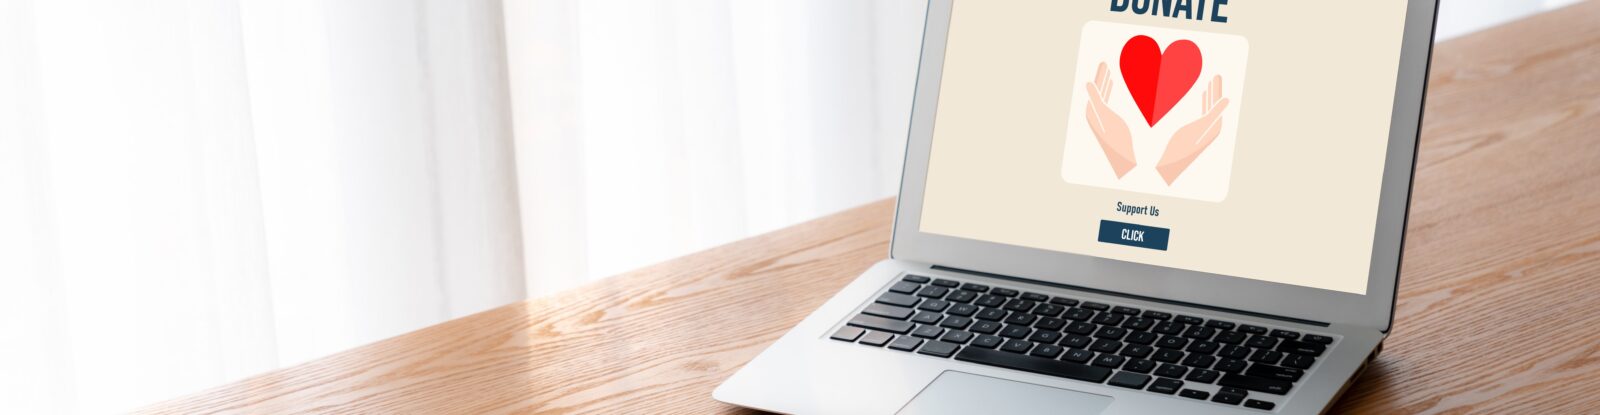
pixel 1497 313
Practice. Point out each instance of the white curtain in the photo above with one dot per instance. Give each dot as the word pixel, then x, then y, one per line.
pixel 196 191
pixel 647 129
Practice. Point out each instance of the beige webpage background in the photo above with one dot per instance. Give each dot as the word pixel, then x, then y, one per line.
pixel 1308 162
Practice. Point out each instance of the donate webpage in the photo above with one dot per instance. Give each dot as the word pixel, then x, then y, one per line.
pixel 1242 138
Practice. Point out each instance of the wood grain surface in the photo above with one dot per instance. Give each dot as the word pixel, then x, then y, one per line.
pixel 1499 308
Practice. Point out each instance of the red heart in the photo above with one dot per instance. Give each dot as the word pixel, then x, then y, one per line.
pixel 1158 81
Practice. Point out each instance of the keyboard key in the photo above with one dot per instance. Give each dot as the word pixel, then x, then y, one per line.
pixel 1082 328
pixel 975 287
pixel 1275 372
pixel 963 310
pixel 1261 342
pixel 1078 356
pixel 1021 319
pixel 962 296
pixel 1199 361
pixel 1048 351
pixel 916 278
pixel 927 317
pixel 1050 323
pixel 1137 351
pixel 1016 332
pixel 1139 366
pixel 1129 380
pixel 1168 355
pixel 1108 360
pixel 928 332
pixel 1220 325
pixel 1285 334
pixel 887 311
pixel 1230 337
pixel 1034 364
pixel 1172 371
pixel 1157 315
pixel 1138 323
pixel 1078 314
pixel 956 322
pixel 1228 398
pixel 934 305
pixel 1194 394
pixel 1165 386
pixel 1231 366
pixel 1170 328
pixel 1266 356
pixel 1249 329
pixel 1172 342
pixel 881 324
pixel 1109 319
pixel 898 299
pixel 1049 310
pixel 1125 310
pixel 990 300
pixel 876 338
pixel 1106 346
pixel 933 292
pixel 1298 361
pixel 1003 292
pixel 1200 333
pixel 905 343
pixel 1020 305
pixel 957 337
pixel 940 349
pixel 1190 320
pixel 991 314
pixel 988 341
pixel 1064 302
pixel 1076 340
pixel 1095 306
pixel 985 327
pixel 1141 337
pixel 1234 352
pixel 1300 347
pixel 1203 376
pixel 1045 336
pixel 1109 332
pixel 1202 348
pixel 1232 390
pixel 1017 346
pixel 1318 339
pixel 1259 404
pixel 848 334
pixel 946 283
pixel 905 287
pixel 1272 386
pixel 1035 297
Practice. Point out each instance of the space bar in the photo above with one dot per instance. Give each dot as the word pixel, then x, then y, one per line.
pixel 1034 364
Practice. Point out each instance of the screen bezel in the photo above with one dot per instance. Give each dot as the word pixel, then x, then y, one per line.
pixel 1373 309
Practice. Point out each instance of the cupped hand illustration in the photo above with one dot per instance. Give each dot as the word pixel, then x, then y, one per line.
pixel 1193 139
pixel 1109 129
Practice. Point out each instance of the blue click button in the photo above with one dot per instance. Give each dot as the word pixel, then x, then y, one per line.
pixel 1129 234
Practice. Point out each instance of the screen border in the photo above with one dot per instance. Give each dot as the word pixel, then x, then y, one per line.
pixel 1374 309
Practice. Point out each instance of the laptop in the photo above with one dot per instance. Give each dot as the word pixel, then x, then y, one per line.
pixel 1129 207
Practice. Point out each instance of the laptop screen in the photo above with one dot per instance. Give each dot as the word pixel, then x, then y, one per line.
pixel 1243 138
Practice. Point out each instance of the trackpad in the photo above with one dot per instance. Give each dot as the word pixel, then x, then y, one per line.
pixel 966 394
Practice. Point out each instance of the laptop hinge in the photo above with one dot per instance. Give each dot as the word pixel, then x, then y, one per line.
pixel 1134 296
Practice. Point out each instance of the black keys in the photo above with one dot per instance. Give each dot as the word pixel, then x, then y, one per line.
pixel 946 283
pixel 1137 351
pixel 1190 320
pixel 1202 347
pixel 1298 361
pixel 1078 355
pixel 1259 404
pixel 1048 351
pixel 1080 328
pixel 904 287
pixel 933 292
pixel 1016 332
pixel 1234 352
pixel 1129 380
pixel 992 314
pixel 1003 292
pixel 1203 376
pixel 1285 334
pixel 985 327
pixel 1169 370
pixel 928 332
pixel 1016 346
pixel 1095 306
pixel 1078 314
pixel 898 299
pixel 876 338
pixel 1170 328
pixel 962 296
pixel 1020 305
pixel 1125 310
pixel 1034 364
pixel 1318 339
pixel 1199 361
pixel 848 334
pixel 1300 347
pixel 957 337
pixel 1105 346
pixel 1044 336
pixel 1168 355
pixel 1220 325
pixel 1109 332
pixel 1275 372
pixel 1138 323
pixel 1037 297
pixel 1200 333
pixel 927 317
pixel 1249 329
pixel 988 341
pixel 887 311
pixel 1109 319
pixel 963 310
pixel 1228 398
pixel 1230 337
pixel 1165 386
pixel 1049 310
pixel 881 324
pixel 1231 366
pixel 1261 342
pixel 1157 315
pixel 1272 386
pixel 905 343
pixel 1266 356
pixel 934 305
pixel 915 278
pixel 1172 342
pixel 990 300
pixel 1139 366
pixel 940 349
pixel 1194 394
pixel 1064 302
pixel 1021 319
pixel 1050 323
pixel 975 287
pixel 1141 337
pixel 1076 340
pixel 1108 360
pixel 956 322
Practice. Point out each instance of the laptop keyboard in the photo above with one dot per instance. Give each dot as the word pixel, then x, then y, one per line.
pixel 1121 346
